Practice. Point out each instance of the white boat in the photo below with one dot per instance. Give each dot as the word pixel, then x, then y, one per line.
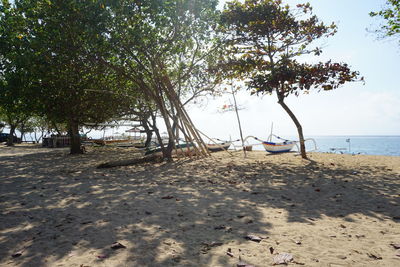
pixel 278 147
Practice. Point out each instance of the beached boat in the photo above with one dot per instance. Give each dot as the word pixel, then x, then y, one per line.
pixel 179 148
pixel 278 147
pixel 104 142
pixel 219 147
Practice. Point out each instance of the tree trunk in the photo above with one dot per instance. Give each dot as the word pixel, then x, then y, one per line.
pixel 155 129
pixel 22 133
pixel 10 141
pixel 149 133
pixel 298 125
pixel 75 139
pixel 167 151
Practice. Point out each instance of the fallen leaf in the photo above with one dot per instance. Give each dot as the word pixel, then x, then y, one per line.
pixel 282 258
pixel 396 246
pixel 271 249
pixel 373 256
pixel 102 256
pixel 253 238
pixel 117 245
pixel 17 254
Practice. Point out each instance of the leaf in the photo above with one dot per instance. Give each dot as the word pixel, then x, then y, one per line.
pixel 374 256
pixel 254 238
pixel 282 258
pixel 17 254
pixel 117 245
pixel 395 245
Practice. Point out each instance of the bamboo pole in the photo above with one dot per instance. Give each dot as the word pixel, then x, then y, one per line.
pixel 238 119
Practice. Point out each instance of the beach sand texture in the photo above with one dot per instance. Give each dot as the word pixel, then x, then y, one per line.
pixel 334 210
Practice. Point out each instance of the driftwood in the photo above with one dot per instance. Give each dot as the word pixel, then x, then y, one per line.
pixel 128 162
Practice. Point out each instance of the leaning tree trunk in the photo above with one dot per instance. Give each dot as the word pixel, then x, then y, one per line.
pixel 22 133
pixel 75 139
pixel 149 133
pixel 10 141
pixel 167 151
pixel 298 125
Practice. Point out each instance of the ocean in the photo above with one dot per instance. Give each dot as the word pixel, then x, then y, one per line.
pixel 366 145
pixel 356 144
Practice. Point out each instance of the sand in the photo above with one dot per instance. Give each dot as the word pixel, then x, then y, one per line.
pixel 334 210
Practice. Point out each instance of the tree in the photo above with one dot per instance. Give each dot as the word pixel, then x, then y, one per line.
pixel 15 79
pixel 161 45
pixel 62 38
pixel 264 40
pixel 392 16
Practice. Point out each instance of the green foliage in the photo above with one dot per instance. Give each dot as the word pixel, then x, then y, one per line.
pixel 264 38
pixel 64 37
pixel 156 39
pixel 15 104
pixel 163 48
pixel 392 16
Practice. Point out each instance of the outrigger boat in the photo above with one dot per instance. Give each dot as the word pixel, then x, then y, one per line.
pixel 219 147
pixel 275 147
pixel 178 148
pixel 281 147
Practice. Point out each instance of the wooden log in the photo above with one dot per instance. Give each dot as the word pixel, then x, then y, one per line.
pixel 129 162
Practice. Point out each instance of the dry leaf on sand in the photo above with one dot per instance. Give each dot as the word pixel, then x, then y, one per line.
pixel 282 258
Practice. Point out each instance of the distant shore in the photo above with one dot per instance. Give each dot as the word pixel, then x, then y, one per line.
pixel 331 210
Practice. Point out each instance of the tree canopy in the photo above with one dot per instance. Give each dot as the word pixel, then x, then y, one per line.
pixel 162 46
pixel 15 78
pixel 265 40
pixel 58 39
pixel 391 13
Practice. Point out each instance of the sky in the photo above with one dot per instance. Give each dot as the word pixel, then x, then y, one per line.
pixel 372 108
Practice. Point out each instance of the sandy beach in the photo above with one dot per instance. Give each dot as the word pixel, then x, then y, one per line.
pixel 333 210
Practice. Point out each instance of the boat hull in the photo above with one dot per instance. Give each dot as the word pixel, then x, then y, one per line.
pixel 185 148
pixel 218 147
pixel 278 147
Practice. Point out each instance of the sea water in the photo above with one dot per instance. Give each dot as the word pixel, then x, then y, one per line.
pixel 367 145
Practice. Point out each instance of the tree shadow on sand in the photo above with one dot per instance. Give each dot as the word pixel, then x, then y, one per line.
pixel 172 214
